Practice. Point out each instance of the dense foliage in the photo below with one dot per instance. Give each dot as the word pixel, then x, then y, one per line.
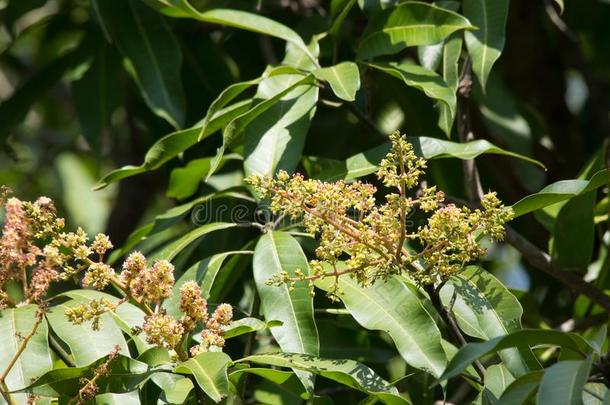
pixel 212 201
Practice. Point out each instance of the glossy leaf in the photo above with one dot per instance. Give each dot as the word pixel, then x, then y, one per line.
pixel 559 191
pixel 410 23
pixel 392 307
pixel 452 50
pixel 151 51
pixel 365 163
pixel 425 80
pixel 35 359
pixel 521 389
pixel 487 42
pixel 86 345
pixel 176 387
pixel 563 383
pixel 172 249
pixel 485 309
pixel 497 379
pixel 346 372
pixel 210 371
pixel 278 252
pixel 344 79
pixel 523 339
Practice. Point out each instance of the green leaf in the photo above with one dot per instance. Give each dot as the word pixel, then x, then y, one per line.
pixel 485 309
pixel 210 371
pixel 152 53
pixel 521 389
pixel 410 23
pixel 238 19
pixel 425 80
pixel 243 326
pixel 559 191
pixel 497 378
pixel 172 249
pixel 452 49
pixel 487 42
pixel 124 374
pixel 346 372
pixel 173 144
pixel 430 55
pixel 238 124
pixel 86 345
pixel 523 339
pixel 176 387
pixel 392 307
pixel 204 273
pixel 35 359
pixel 274 140
pixel 344 79
pixel 367 162
pixel 184 181
pixel 95 97
pixel 563 383
pixel 278 252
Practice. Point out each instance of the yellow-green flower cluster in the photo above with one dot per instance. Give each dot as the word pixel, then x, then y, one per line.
pixel 375 238
pixel 163 330
pixel 212 335
pixel 149 283
pixel 91 311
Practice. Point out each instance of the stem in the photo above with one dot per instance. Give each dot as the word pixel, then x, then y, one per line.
pixel 451 325
pixel 21 348
pixel 5 393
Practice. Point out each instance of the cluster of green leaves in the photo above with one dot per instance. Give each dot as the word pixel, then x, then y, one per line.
pixel 220 90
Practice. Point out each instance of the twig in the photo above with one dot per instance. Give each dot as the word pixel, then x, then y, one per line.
pixel 22 346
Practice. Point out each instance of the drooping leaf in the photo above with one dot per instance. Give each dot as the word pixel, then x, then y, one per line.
pixel 485 309
pixel 559 191
pixel 238 124
pixel 173 144
pixel 172 249
pixel 410 23
pixel 521 389
pixel 392 307
pixel 274 140
pixel 346 372
pixel 344 79
pixel 563 383
pixel 425 80
pixel 210 371
pixel 278 252
pixel 452 50
pixel 16 324
pixel 522 338
pixel 95 97
pixel 366 162
pixel 151 51
pixel 487 42
pixel 430 56
pixel 86 345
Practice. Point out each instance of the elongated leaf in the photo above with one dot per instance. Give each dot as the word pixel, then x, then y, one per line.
pixel 278 252
pixel 452 50
pixel 523 338
pixel 35 359
pixel 274 140
pixel 95 97
pixel 204 273
pixel 410 23
pixel 425 80
pixel 430 56
pixel 124 375
pixel 238 124
pixel 521 389
pixel 366 163
pixel 86 345
pixel 184 181
pixel 126 316
pixel 151 51
pixel 243 326
pixel 173 144
pixel 497 379
pixel 392 307
pixel 485 309
pixel 344 79
pixel 171 250
pixel 563 383
pixel 487 42
pixel 346 372
pixel 559 191
pixel 574 232
pixel 210 371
